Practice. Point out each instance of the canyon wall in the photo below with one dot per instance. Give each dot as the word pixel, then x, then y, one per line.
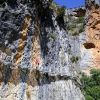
pixel 44 47
pixel 89 39
pixel 84 30
pixel 35 63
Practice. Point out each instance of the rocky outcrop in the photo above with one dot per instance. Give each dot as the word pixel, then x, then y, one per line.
pixel 34 58
pixel 84 30
pixel 93 31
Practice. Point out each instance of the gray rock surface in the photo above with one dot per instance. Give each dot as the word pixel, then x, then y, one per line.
pixel 34 60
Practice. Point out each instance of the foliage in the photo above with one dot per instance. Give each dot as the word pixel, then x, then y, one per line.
pixel 75 30
pixel 61 11
pixel 80 20
pixel 88 97
pixel 81 29
pixel 75 33
pixel 91 85
pixel 53 5
pixel 53 36
pixel 74 59
pixel 70 27
pixel 75 25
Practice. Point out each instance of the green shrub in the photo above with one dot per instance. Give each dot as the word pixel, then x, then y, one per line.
pixel 75 23
pixel 71 27
pixel 75 33
pixel 74 59
pixel 53 6
pixel 53 36
pixel 81 28
pixel 96 75
pixel 91 85
pixel 61 11
pixel 80 20
pixel 88 97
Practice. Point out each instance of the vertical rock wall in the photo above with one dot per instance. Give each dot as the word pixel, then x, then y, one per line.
pixel 93 32
pixel 34 58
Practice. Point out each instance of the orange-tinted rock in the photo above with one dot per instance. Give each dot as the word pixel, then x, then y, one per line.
pixel 93 34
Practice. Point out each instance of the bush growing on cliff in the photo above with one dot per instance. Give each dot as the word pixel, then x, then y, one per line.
pixel 53 36
pixel 88 97
pixel 80 20
pixel 74 59
pixel 60 17
pixel 91 85
pixel 71 27
pixel 61 11
pixel 81 29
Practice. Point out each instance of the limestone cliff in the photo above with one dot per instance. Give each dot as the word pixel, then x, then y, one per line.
pixel 89 39
pixel 93 32
pixel 34 62
pixel 42 48
pixel 83 29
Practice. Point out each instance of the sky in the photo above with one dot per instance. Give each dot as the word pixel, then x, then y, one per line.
pixel 70 3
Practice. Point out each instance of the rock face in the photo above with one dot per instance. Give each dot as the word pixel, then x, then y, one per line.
pixel 84 36
pixel 93 32
pixel 34 60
